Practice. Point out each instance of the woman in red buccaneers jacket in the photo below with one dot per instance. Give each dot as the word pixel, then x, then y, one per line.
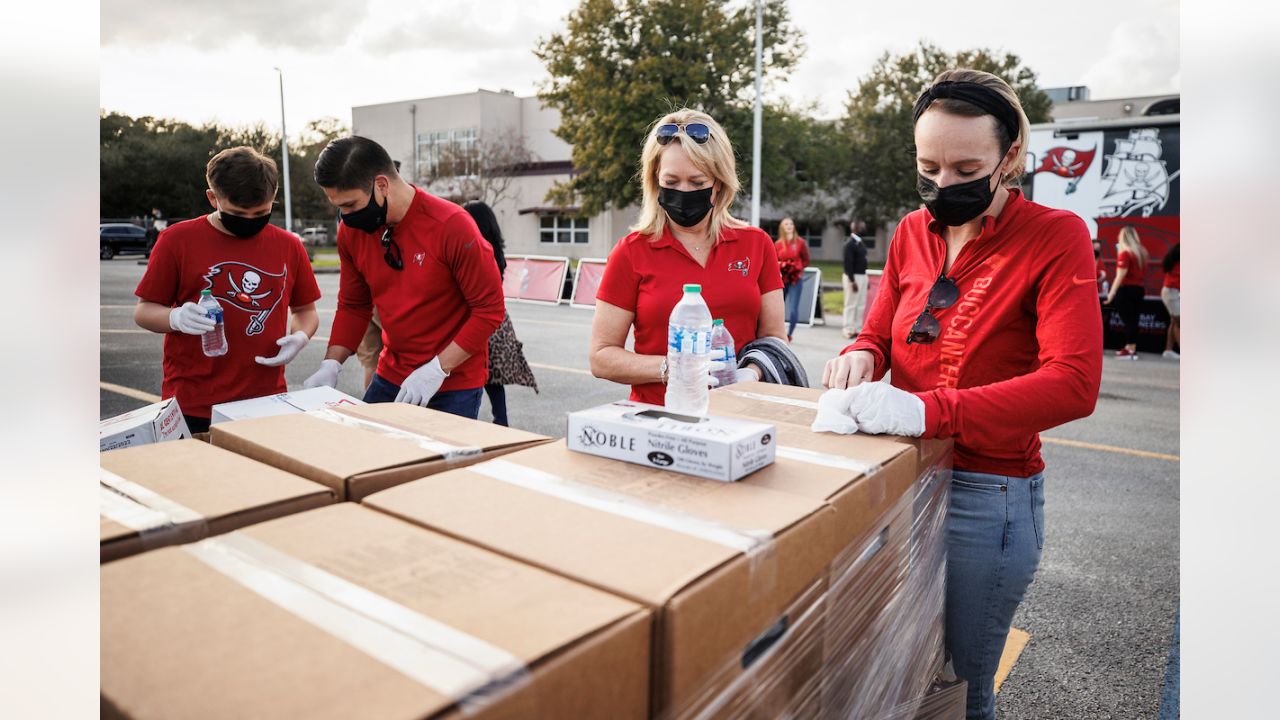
pixel 988 317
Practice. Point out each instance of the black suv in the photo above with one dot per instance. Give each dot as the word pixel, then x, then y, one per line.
pixel 120 238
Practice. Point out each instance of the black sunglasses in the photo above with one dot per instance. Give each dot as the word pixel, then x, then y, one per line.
pixel 926 328
pixel 391 251
pixel 696 132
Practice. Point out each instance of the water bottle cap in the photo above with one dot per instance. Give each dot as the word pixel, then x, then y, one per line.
pixel 692 287
pixel 717 321
pixel 204 293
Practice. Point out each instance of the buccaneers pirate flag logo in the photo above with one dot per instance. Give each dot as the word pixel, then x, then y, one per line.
pixel 1067 163
pixel 247 288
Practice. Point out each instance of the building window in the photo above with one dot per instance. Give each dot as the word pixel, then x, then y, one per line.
pixel 812 234
pixel 448 153
pixel 557 229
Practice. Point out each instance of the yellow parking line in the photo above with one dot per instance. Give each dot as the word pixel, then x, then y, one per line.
pixel 1110 449
pixel 1013 647
pixel 129 392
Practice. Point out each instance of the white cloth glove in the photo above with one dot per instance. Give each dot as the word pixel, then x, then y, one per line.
pixel 290 346
pixel 882 409
pixel 326 375
pixel 832 415
pixel 191 319
pixel 422 384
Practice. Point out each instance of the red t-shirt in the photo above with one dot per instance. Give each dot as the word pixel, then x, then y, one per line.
pixel 1020 351
pixel 449 291
pixel 1101 273
pixel 1173 278
pixel 255 279
pixel 1136 274
pixel 794 254
pixel 647 277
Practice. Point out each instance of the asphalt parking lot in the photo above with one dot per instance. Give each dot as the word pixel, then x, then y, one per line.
pixel 1101 614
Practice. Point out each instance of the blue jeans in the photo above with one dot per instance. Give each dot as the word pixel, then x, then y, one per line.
pixel 498 402
pixel 455 402
pixel 995 532
pixel 791 297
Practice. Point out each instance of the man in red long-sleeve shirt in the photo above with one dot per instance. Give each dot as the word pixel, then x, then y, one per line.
pixel 422 263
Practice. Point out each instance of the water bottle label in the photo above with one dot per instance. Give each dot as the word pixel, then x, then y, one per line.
pixel 215 314
pixel 687 340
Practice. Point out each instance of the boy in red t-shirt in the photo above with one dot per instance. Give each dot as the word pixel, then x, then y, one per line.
pixel 258 272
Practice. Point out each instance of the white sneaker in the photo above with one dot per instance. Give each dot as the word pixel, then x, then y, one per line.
pixel 1171 355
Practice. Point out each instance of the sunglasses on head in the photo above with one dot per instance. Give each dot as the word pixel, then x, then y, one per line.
pixel 926 328
pixel 391 251
pixel 696 132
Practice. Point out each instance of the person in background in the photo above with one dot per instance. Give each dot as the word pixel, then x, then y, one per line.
pixel 793 258
pixel 422 264
pixel 1171 294
pixel 1103 286
pixel 854 280
pixel 685 234
pixel 507 364
pixel 258 272
pixel 1128 290
pixel 988 319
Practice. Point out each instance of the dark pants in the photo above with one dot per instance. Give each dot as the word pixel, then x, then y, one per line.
pixel 465 403
pixel 791 297
pixel 498 402
pixel 196 424
pixel 1128 303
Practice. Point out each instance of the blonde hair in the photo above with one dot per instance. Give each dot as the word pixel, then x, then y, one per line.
pixel 1130 241
pixel 1013 177
pixel 714 157
pixel 784 236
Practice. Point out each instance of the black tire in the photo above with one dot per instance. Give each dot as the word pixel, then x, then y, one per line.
pixel 107 252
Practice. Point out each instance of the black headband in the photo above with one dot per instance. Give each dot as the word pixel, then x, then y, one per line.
pixel 980 96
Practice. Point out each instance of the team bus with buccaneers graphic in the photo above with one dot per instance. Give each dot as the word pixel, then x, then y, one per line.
pixel 1115 173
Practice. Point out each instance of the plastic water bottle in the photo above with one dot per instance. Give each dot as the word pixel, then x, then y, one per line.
pixel 688 354
pixel 722 351
pixel 214 342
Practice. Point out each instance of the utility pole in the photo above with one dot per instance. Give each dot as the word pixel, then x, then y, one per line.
pixel 755 130
pixel 284 150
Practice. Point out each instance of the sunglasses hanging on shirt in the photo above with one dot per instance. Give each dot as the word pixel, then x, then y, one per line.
pixel 391 251
pixel 926 328
pixel 697 132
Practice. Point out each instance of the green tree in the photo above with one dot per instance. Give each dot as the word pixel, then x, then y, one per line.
pixel 619 64
pixel 878 123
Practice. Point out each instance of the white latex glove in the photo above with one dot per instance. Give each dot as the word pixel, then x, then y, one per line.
pixel 422 384
pixel 326 375
pixel 290 346
pixel 882 409
pixel 832 414
pixel 191 319
pixel 739 375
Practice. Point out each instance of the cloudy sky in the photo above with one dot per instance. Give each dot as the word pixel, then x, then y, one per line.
pixel 183 59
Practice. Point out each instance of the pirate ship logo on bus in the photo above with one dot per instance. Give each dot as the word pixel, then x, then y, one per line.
pixel 247 288
pixel 1068 163
pixel 1138 179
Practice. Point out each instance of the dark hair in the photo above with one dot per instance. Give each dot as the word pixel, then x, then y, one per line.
pixel 243 176
pixel 351 163
pixel 1171 257
pixel 488 224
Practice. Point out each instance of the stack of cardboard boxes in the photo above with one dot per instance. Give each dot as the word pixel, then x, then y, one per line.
pixel 493 573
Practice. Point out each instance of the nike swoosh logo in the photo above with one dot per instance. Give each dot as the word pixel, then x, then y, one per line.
pixel 1084 281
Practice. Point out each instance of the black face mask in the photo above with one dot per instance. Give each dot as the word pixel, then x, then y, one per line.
pixel 368 218
pixel 243 227
pixel 686 208
pixel 956 204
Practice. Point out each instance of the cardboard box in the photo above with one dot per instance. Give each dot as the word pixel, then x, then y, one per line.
pixel 344 612
pixel 282 404
pixel 363 449
pixel 154 423
pixel 720 563
pixel 717 448
pixel 176 492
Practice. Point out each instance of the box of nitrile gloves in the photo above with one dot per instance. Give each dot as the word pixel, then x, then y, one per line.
pixel 285 403
pixel 717 448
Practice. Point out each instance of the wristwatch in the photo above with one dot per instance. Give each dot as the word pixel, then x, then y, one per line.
pixel 662 371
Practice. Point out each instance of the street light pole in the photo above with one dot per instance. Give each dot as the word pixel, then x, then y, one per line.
pixel 284 150
pixel 755 131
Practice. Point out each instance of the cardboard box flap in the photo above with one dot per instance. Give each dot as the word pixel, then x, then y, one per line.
pixel 209 481
pixel 446 428
pixel 638 560
pixel 842 459
pixel 785 403
pixel 372 587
